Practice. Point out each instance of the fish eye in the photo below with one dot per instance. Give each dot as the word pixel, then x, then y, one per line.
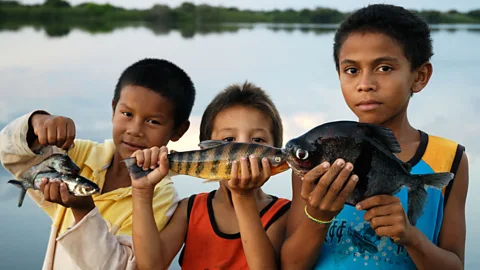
pixel 301 154
pixel 278 159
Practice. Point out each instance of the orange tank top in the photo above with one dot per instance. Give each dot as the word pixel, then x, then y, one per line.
pixel 206 247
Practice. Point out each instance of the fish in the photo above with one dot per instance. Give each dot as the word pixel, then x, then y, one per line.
pixel 371 149
pixel 77 185
pixel 214 161
pixel 56 166
pixel 61 163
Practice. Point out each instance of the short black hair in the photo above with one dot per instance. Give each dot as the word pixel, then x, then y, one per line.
pixel 406 28
pixel 248 95
pixel 162 77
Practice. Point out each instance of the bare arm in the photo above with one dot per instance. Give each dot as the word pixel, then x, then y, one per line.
pixel 451 250
pixel 304 237
pixel 259 250
pixel 154 249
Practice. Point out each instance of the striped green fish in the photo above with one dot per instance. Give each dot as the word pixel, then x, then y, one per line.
pixel 214 161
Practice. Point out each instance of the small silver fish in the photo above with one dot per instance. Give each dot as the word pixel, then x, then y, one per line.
pixel 77 185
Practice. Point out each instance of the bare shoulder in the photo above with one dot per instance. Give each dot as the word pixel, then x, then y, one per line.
pixel 460 182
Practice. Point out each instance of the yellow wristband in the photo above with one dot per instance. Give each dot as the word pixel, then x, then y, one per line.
pixel 317 220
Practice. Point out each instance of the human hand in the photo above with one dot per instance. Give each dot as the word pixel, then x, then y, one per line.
pixel 53 130
pixel 250 179
pixel 388 218
pixel 325 197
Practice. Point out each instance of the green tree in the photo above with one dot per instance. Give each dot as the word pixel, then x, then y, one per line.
pixel 56 3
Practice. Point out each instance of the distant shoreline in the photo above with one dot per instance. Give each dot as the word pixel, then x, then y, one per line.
pixel 55 11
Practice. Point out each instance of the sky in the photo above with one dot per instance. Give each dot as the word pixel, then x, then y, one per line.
pixel 344 5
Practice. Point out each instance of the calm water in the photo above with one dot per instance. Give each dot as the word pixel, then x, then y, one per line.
pixel 72 72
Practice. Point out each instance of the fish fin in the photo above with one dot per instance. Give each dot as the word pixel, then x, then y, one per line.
pixel 134 170
pixel 211 143
pixel 385 136
pixel 23 191
pixel 416 201
pixel 435 180
pixel 173 151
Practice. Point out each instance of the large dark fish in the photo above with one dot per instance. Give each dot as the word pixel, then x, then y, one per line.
pixel 370 149
pixel 56 166
pixel 214 161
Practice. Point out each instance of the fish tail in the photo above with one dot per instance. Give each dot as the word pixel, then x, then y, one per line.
pixel 417 195
pixel 436 180
pixel 23 191
pixel 134 170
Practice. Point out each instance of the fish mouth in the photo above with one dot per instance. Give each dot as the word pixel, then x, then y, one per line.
pixel 296 168
pixel 83 191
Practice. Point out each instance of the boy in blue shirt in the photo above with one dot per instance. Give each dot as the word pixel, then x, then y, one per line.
pixel 382 56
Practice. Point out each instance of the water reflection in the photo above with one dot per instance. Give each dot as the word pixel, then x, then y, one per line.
pixel 54 30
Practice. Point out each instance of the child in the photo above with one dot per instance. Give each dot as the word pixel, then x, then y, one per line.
pixel 382 57
pixel 151 106
pixel 221 229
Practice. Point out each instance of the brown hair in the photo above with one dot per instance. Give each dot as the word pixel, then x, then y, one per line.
pixel 249 95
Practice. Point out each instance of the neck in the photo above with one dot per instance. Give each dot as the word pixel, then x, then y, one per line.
pixel 401 128
pixel 117 174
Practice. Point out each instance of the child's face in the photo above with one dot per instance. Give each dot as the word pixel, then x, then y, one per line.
pixel 143 119
pixel 375 77
pixel 243 124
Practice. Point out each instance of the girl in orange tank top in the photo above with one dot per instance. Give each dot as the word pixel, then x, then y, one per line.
pixel 237 226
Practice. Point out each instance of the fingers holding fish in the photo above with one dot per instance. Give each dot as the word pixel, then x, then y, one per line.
pixel 346 191
pixel 154 157
pixel 234 180
pixel 266 171
pixel 246 180
pixel 340 177
pixel 70 137
pixel 377 200
pixel 310 179
pixel 387 217
pixel 54 130
pixel 382 210
pixel 56 191
pixel 152 178
pixel 323 202
pixel 250 178
pixel 148 159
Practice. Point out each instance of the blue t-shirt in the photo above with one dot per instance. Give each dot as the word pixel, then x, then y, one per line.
pixel 352 244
